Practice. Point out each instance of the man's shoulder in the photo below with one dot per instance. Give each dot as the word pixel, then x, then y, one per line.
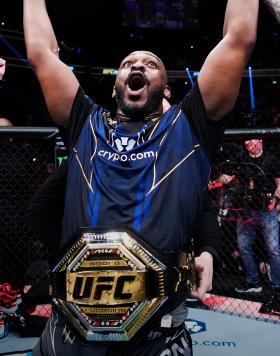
pixel 84 104
pixel 270 156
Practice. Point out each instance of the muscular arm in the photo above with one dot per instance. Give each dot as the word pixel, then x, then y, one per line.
pixel 274 7
pixel 220 76
pixel 58 83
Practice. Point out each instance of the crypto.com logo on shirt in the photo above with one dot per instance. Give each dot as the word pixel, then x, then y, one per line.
pixel 123 145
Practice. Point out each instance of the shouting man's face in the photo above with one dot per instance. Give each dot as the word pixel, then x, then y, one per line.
pixel 140 85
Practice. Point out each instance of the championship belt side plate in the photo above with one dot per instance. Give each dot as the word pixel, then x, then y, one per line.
pixel 109 284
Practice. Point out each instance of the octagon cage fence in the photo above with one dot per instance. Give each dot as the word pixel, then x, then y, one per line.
pixel 30 154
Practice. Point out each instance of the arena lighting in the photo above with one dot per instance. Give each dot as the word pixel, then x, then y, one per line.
pixel 7 43
pixel 190 76
pixel 195 74
pixel 252 95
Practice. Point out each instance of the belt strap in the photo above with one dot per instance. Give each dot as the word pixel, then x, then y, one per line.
pixel 181 277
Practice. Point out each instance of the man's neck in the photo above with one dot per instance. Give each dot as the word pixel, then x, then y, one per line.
pixel 122 118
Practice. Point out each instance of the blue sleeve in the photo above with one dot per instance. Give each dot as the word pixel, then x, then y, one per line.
pixel 81 108
pixel 208 132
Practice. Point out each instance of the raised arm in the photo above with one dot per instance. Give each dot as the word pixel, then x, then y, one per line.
pixel 220 76
pixel 58 83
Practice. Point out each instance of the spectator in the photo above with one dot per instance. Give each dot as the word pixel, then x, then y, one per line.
pixel 259 180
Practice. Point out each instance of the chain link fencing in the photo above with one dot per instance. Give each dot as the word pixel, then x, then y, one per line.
pixel 242 189
pixel 29 155
pixel 26 160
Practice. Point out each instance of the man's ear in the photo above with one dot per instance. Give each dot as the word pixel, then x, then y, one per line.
pixel 114 92
pixel 167 92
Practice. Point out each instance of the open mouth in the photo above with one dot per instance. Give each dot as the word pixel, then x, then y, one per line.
pixel 136 81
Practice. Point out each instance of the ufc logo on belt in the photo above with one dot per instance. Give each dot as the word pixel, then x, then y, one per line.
pixel 105 287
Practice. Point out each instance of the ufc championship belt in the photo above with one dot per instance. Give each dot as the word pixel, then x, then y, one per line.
pixel 111 282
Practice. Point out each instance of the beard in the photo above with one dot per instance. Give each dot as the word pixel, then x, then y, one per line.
pixel 136 112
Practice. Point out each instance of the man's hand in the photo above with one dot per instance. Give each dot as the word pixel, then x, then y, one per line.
pixel 204 272
pixel 2 68
pixel 220 181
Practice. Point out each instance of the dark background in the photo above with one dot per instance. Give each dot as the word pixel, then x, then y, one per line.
pixel 91 34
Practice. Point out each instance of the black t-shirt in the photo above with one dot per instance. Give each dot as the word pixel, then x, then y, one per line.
pixel 255 184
